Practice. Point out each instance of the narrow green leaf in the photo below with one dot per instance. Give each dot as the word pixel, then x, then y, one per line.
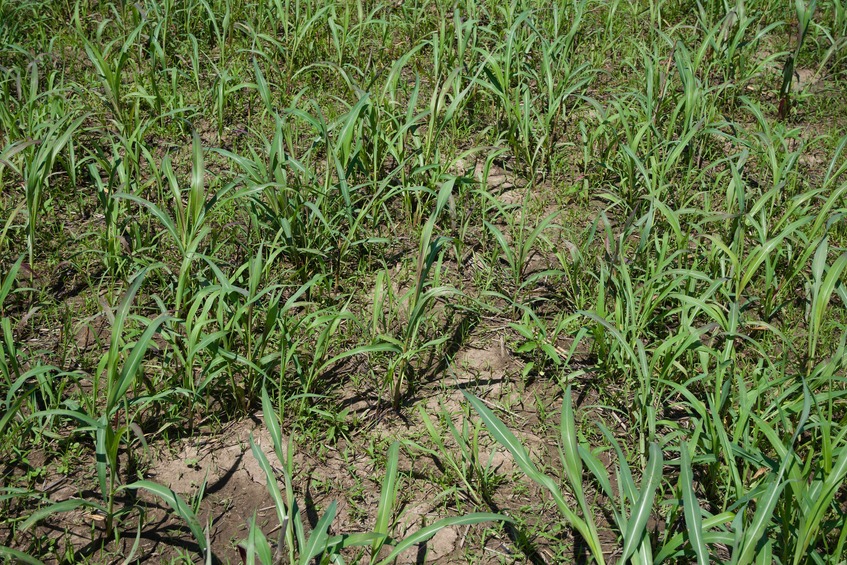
pixel 424 534
pixel 691 508
pixel 811 523
pixel 58 508
pixel 272 423
pixel 338 543
pixel 178 504
pixel 504 245
pixel 9 279
pixel 504 436
pixel 18 556
pixel 387 497
pixel 318 538
pixel 270 477
pixel 637 524
pixel 118 389
pixel 507 439
pixel 570 447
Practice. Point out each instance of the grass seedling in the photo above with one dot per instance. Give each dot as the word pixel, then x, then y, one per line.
pixel 296 548
pixel 121 368
pixel 804 13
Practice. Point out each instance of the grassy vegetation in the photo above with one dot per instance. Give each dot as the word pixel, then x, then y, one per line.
pixel 564 281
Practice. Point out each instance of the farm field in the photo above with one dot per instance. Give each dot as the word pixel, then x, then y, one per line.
pixel 420 281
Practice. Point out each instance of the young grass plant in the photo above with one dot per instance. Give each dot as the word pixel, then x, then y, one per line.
pixel 804 12
pixel 187 223
pixel 121 367
pixel 584 524
pixel 40 161
pixel 296 548
pixel 519 247
pixel 477 479
pixel 405 346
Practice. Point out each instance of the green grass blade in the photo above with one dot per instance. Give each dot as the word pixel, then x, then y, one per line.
pixel 178 504
pixel 637 525
pixel 766 504
pixel 130 368
pixel 570 447
pixel 91 423
pixel 764 511
pixel 160 214
pixel 335 544
pixel 507 439
pixel 9 279
pixel 196 197
pixel 501 241
pixel 18 556
pixel 426 533
pixel 601 475
pixel 58 508
pixel 387 498
pixel 257 544
pixel 318 538
pixel 272 423
pixel 120 318
pixel 573 469
pixel 503 436
pixel 270 476
pixel 812 522
pixel 691 508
